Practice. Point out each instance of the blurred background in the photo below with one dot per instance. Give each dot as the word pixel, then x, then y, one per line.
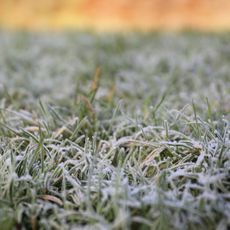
pixel 115 14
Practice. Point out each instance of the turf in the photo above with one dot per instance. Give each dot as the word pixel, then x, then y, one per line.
pixel 112 131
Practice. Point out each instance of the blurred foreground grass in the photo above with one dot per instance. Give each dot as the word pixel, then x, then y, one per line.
pixel 114 131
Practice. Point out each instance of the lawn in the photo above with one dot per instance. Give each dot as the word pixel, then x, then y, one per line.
pixel 114 131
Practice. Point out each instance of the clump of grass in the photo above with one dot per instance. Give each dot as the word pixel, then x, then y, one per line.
pixel 78 151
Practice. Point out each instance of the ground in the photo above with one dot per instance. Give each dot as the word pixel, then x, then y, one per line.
pixel 114 131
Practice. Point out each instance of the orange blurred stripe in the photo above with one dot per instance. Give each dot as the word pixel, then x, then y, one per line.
pixel 117 14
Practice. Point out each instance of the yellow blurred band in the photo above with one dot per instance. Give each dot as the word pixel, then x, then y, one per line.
pixel 213 15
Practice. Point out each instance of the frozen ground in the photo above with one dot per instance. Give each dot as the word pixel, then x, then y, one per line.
pixel 114 131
